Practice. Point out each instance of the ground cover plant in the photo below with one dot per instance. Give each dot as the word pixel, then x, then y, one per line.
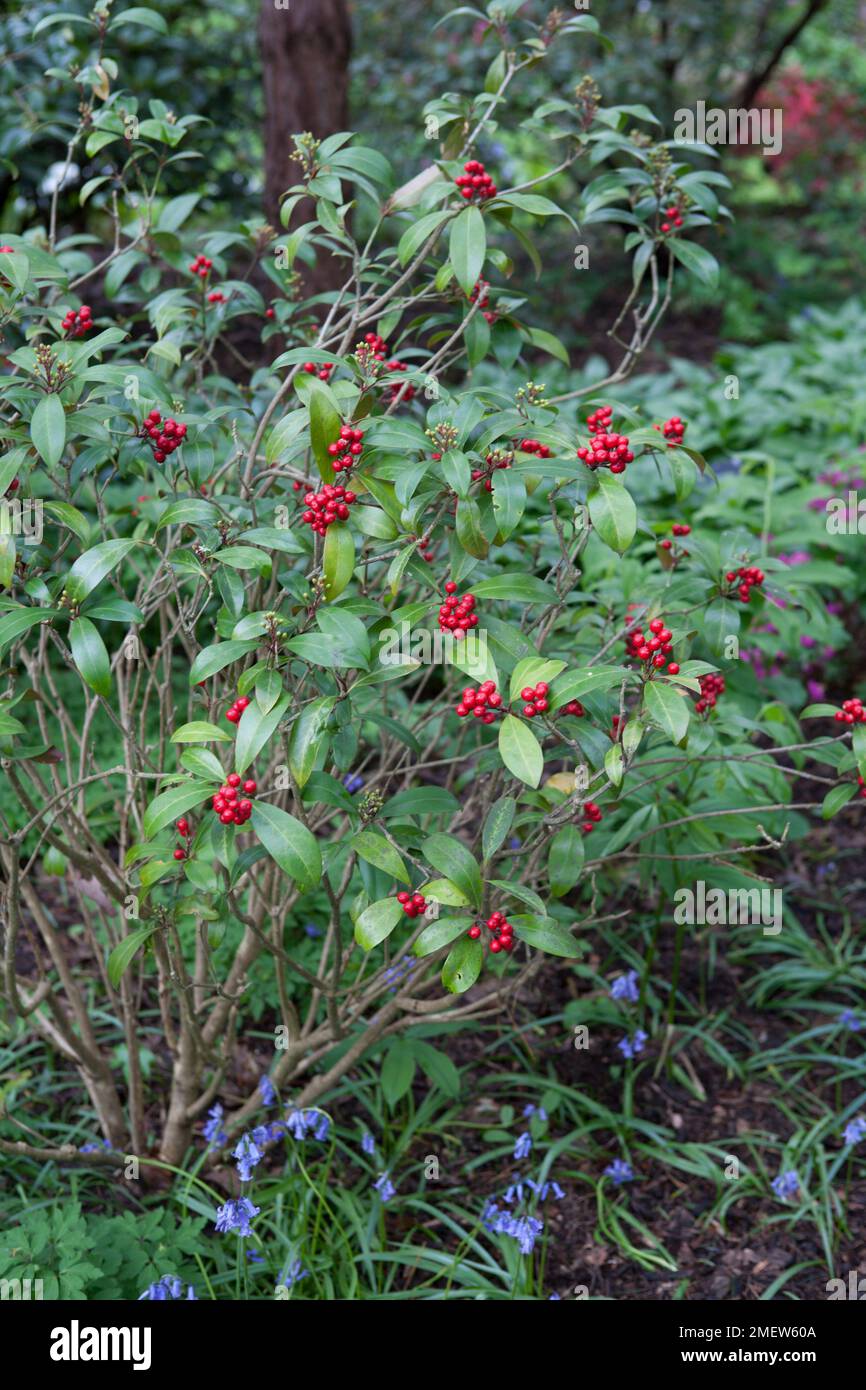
pixel 420 752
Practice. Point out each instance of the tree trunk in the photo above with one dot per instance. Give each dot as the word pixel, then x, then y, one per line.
pixel 305 51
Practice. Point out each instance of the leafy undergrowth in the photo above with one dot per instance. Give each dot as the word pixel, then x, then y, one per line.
pixel 758 1075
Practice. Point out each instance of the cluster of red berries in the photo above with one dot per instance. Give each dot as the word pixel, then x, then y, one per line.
pixel 712 686
pixel 396 387
pixel 852 712
pixel 216 297
pixel 862 785
pixel 501 933
pixel 605 447
pixel 535 698
pixel 493 461
pixel 680 528
pixel 481 293
pixel 455 614
pixel 323 372
pixel 475 182
pixel 376 346
pixel 77 322
pixel 482 702
pixel 230 806
pixel 165 435
pixel 234 712
pixel 573 707
pixel 673 429
pixel 655 648
pixel 593 816
pixel 325 507
pixel 346 450
pixel 532 446
pixel 183 828
pixel 673 218
pixel 413 904
pixel 748 576
pixel 201 266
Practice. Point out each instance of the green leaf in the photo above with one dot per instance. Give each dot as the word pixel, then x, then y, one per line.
pixel 613 764
pixel 398 1071
pixel 546 935
pixel 524 588
pixel 289 843
pixel 200 731
pixel 463 965
pixel 378 852
pixel 470 533
pixel 565 860
pixel 325 425
pixel 376 922
pixel 255 730
pixel 48 429
pixel 216 658
pixel 172 804
pixel 139 14
pixel 497 823
pixel 613 513
pixel 520 750
pixel 468 247
pixel 836 798
pixel 721 621
pixel 188 511
pixel 453 860
pixel 414 237
pixel 92 567
pixel 531 670
pixel 421 801
pixel 308 736
pixel 444 892
pixel 573 684
pixel 125 952
pixel 19 620
pixel 858 741
pixel 668 709
pixel 441 933
pixel 339 559
pixel 696 259
pixel 90 655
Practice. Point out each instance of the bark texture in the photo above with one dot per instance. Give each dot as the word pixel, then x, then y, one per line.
pixel 305 52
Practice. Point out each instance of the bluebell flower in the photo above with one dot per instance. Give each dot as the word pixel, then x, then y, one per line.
pixel 236 1215
pixel 787 1184
pixel 292 1274
pixel 267 1089
pixel 619 1172
pixel 523 1146
pixel 515 842
pixel 555 1298
pixel 321 1125
pixel 248 1155
pixel 213 1130
pixel 385 1187
pixel 255 1257
pixel 855 1130
pixel 526 1230
pixel 167 1288
pixel 353 783
pixel 94 1147
pixel 296 1124
pixel 544 1190
pixel 396 974
pixel 368 1143
pixel 631 1047
pixel 849 1020
pixel 626 987
pixel 514 1193
pixel 538 1110
pixel 312 930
